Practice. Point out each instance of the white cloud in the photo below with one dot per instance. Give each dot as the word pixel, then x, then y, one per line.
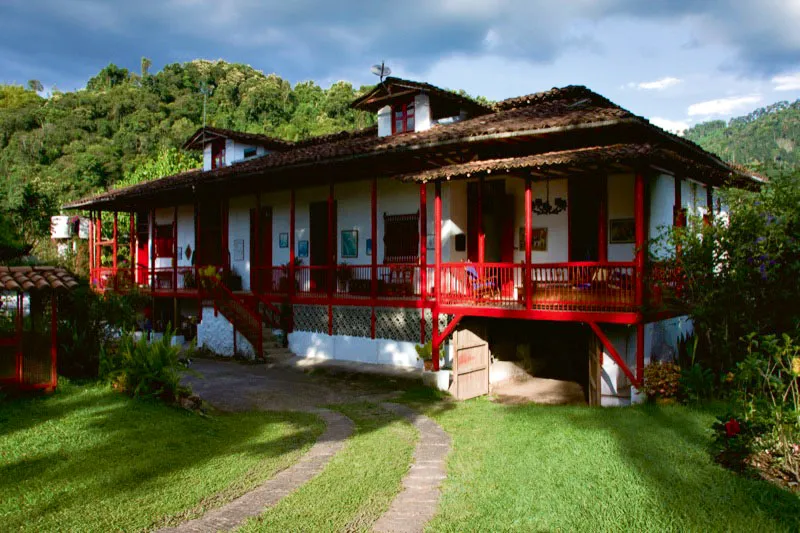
pixel 787 82
pixel 659 85
pixel 675 126
pixel 723 106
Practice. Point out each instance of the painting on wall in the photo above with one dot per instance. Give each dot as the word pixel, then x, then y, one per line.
pixel 238 250
pixel 622 230
pixel 283 240
pixel 350 243
pixel 538 239
pixel 302 248
pixel 430 241
pixel 369 246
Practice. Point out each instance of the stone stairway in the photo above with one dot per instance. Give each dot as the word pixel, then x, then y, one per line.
pixel 272 348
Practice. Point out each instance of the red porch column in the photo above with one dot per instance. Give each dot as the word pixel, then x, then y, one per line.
pixel 175 249
pixel 53 339
pixel 423 253
pixel 528 235
pixel 18 362
pixel 98 249
pixel 196 263
pixel 152 250
pixel 640 353
pixel 373 289
pixel 91 248
pixel 255 262
pixel 602 222
pixel 226 256
pixel 437 280
pixel 331 259
pixel 132 244
pixel 638 190
pixel 481 234
pixel 114 249
pixel 292 278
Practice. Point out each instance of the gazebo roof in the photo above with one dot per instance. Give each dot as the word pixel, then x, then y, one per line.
pixel 35 278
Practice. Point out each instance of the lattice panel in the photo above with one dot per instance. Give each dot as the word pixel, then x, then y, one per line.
pixel 353 321
pixel 311 318
pixel 397 324
pixel 443 321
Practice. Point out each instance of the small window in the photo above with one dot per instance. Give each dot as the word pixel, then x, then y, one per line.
pixel 165 241
pixel 403 117
pixel 401 238
pixel 249 152
pixel 218 154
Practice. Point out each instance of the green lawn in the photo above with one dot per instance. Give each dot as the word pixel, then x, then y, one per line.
pixel 89 459
pixel 357 486
pixel 540 468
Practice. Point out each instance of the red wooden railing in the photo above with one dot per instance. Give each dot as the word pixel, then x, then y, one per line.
pixel 235 309
pixel 568 286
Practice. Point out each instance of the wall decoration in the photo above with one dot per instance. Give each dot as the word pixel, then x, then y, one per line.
pixel 538 239
pixel 283 240
pixel 461 242
pixel 238 249
pixel 622 230
pixel 350 243
pixel 302 248
pixel 180 252
pixel 430 241
pixel 369 246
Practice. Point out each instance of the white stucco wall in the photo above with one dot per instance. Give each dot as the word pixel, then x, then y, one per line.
pixel 384 121
pixel 620 205
pixel 360 349
pixel 662 200
pixel 422 112
pixel 239 230
pixel 216 334
pixel 557 225
pixel 207 157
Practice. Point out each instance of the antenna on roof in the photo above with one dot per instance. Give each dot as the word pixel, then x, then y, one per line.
pixel 206 90
pixel 381 70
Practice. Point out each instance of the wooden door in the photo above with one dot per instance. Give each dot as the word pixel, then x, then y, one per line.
pixel 593 389
pixel 319 254
pixel 261 250
pixel 471 362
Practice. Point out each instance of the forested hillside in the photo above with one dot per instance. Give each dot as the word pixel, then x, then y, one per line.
pixel 766 140
pixel 126 127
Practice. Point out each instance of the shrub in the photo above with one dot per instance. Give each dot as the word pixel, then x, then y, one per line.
pixel 661 380
pixel 144 369
pixel 697 383
pixel 735 439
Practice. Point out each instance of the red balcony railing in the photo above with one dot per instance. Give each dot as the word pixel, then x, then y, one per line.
pixel 587 286
pixel 499 284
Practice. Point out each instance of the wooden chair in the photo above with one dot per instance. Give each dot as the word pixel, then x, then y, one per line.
pixel 481 287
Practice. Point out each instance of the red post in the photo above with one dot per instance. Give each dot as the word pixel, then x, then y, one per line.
pixel 481 234
pixel 423 253
pixel 226 264
pixel 292 277
pixel 640 353
pixel 528 247
pixel 437 246
pixel 197 263
pixel 638 190
pixel 114 249
pixel 175 250
pixel 98 250
pixel 53 339
pixel 152 250
pixel 255 262
pixel 677 216
pixel 602 222
pixel 91 249
pixel 374 258
pixel 132 244
pixel 331 259
pixel 18 369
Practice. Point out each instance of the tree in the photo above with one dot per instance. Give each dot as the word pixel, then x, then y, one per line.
pixel 35 86
pixel 146 64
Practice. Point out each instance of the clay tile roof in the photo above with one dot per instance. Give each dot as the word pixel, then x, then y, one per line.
pixel 257 139
pixel 28 278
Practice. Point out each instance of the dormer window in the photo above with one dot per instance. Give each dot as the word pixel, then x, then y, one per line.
pixel 249 152
pixel 218 153
pixel 403 117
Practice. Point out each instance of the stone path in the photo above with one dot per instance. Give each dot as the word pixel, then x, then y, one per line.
pixel 338 430
pixel 417 502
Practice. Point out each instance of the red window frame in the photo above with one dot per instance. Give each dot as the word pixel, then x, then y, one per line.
pixel 218 154
pixel 401 238
pixel 164 241
pixel 403 117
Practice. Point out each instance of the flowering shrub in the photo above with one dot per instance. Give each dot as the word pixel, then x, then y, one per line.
pixel 735 440
pixel 661 380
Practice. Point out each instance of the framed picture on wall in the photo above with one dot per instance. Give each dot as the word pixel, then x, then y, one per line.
pixel 238 249
pixel 622 230
pixel 302 248
pixel 349 243
pixel 369 246
pixel 430 241
pixel 283 240
pixel 538 239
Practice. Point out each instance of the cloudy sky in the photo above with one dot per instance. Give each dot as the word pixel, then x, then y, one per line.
pixel 678 62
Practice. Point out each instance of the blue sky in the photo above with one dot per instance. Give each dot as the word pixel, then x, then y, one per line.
pixel 677 62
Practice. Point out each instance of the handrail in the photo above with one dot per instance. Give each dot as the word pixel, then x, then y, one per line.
pixel 217 284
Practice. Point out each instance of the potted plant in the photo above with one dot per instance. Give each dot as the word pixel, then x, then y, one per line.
pixel 283 282
pixel 425 353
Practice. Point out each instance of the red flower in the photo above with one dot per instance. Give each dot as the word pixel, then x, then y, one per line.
pixel 732 428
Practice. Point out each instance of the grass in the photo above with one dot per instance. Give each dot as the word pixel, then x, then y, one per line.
pixel 89 459
pixel 357 486
pixel 541 468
